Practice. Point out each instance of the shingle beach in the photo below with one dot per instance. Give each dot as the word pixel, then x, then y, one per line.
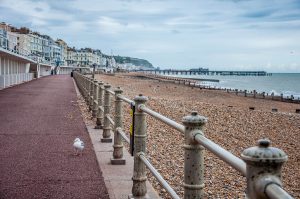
pixel 230 124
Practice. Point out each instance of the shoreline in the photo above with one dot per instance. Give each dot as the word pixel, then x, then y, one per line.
pixel 286 93
pixel 246 93
pixel 230 124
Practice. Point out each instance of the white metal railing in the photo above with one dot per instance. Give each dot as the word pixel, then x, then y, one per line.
pixel 263 178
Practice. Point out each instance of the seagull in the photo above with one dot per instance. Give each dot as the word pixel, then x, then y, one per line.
pixel 78 146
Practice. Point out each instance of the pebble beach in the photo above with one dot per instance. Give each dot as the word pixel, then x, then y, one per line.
pixel 230 124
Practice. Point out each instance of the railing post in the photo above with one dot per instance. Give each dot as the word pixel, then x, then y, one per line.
pixel 106 127
pixel 87 88
pixel 193 157
pixel 88 95
pixel 264 165
pixel 118 144
pixel 81 79
pixel 99 121
pixel 140 133
pixel 91 95
pixel 95 99
pixel 89 91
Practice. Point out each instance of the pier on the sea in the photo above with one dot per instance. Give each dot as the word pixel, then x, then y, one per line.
pixel 206 72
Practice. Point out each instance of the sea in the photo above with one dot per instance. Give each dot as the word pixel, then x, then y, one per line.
pixel 278 83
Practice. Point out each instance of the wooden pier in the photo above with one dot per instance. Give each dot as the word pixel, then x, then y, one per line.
pixel 206 72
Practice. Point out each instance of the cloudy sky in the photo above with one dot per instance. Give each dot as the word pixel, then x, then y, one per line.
pixel 218 34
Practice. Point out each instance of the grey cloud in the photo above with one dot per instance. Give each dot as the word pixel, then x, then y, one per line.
pixel 15 19
pixel 64 6
pixel 175 31
pixel 259 14
pixel 38 9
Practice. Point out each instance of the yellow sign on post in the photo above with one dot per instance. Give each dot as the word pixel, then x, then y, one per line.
pixel 131 112
pixel 130 130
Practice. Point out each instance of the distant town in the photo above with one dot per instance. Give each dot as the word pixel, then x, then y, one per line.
pixel 42 48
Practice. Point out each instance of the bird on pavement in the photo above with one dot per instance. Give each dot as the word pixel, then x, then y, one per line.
pixel 78 146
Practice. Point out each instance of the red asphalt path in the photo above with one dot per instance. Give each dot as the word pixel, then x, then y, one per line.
pixel 39 121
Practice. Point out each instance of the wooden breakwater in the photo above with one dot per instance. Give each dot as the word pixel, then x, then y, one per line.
pixel 195 84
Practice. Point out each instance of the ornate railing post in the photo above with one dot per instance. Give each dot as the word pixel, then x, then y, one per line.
pixel 83 84
pixel 95 99
pixel 118 144
pixel 88 90
pixel 99 121
pixel 264 165
pixel 78 81
pixel 85 88
pixel 140 134
pixel 193 157
pixel 106 127
pixel 91 94
pixel 86 97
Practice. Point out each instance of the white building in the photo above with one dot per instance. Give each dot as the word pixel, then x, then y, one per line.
pixel 24 46
pixel 64 46
pixel 71 57
pixel 36 44
pixel 3 38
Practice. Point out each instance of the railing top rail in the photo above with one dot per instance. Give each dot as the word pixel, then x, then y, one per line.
pixel 274 191
pixel 222 153
pixel 163 119
pixel 122 97
pixel 157 175
pixel 110 91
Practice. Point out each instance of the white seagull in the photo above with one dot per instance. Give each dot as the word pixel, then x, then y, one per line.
pixel 78 146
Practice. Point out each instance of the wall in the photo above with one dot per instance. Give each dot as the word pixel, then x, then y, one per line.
pixel 13 72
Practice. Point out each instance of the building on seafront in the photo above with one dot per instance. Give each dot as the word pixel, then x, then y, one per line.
pixel 64 48
pixel 45 49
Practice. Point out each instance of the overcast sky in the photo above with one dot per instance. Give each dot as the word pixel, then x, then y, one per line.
pixel 218 34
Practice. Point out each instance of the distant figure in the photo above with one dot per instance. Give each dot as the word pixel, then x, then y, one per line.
pixel 78 146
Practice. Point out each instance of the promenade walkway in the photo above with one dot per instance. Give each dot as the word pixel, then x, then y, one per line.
pixel 39 121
